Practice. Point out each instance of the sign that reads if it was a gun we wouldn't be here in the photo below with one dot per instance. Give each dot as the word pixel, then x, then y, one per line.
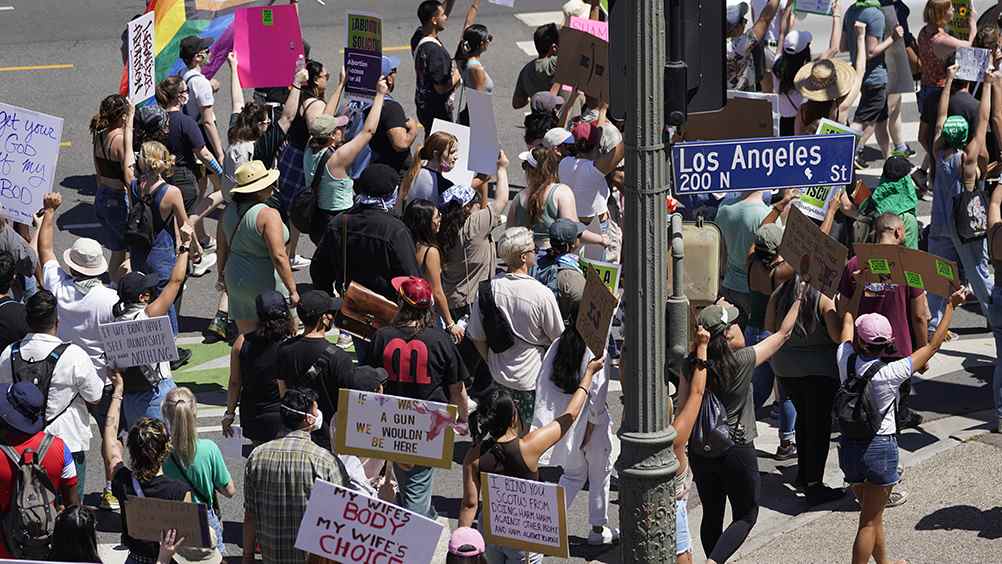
pixel 29 150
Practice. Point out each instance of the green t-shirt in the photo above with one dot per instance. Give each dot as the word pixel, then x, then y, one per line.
pixel 207 472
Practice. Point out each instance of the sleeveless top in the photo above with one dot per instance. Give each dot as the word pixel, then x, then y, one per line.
pixel 506 459
pixel 541 228
pixel 807 355
pixel 465 74
pixel 298 134
pixel 108 168
pixel 759 302
pixel 333 194
pixel 933 68
pixel 244 238
pixel 946 185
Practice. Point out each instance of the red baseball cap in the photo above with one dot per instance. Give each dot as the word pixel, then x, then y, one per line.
pixel 414 290
pixel 586 131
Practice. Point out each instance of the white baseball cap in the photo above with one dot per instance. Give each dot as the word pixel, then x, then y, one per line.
pixel 796 41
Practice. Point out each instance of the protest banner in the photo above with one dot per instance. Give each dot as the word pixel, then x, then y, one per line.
pixel 607 272
pixel 138 342
pixel 363 52
pixel 960 25
pixel 28 159
pixel 142 60
pixel 460 173
pixel 823 7
pixel 524 515
pixel 746 115
pixel 345 526
pixel 813 253
pixel 598 305
pixel 973 63
pixel 595 27
pixel 894 264
pixel 395 428
pixel 483 132
pixel 147 517
pixel 584 63
pixel 267 42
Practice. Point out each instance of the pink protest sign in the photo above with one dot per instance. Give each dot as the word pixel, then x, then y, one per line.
pixel 267 42
pixel 594 27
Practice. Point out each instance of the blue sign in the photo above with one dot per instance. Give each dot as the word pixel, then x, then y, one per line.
pixel 740 165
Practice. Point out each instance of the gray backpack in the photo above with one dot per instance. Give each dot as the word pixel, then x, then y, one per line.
pixel 31 518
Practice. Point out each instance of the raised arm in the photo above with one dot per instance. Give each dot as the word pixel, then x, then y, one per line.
pixel 686 418
pixel 111 447
pixel 471 15
pixel 501 189
pixel 764 19
pixel 859 65
pixel 977 141
pixel 50 202
pixel 161 305
pixel 944 104
pixel 345 155
pixel 768 347
pixel 292 102
pixel 540 440
pixel 921 357
pixel 335 100
pixel 128 155
pixel 236 91
pixel 834 45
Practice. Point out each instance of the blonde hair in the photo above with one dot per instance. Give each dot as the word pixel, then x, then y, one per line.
pixel 180 410
pixel 512 243
pixel 437 145
pixel 154 157
pixel 935 12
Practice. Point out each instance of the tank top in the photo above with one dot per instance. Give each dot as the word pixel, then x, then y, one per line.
pixel 506 459
pixel 299 135
pixel 465 74
pixel 333 194
pixel 933 68
pixel 541 228
pixel 108 168
pixel 807 355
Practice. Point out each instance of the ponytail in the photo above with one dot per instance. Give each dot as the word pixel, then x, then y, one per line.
pixel 472 43
pixel 437 144
pixel 494 417
pixel 113 109
pixel 180 411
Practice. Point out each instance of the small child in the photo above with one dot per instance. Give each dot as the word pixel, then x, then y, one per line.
pixel 466 546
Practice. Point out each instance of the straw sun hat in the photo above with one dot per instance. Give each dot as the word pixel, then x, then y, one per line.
pixel 825 80
pixel 253 177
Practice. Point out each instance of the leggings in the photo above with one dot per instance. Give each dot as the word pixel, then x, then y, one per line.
pixel 734 477
pixel 813 397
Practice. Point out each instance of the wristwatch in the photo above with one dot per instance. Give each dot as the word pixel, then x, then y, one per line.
pixel 182 249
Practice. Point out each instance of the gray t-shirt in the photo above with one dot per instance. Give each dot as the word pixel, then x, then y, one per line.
pixel 876 68
pixel 536 76
pixel 735 392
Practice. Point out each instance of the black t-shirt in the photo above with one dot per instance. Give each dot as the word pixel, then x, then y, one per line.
pixel 296 356
pixel 260 402
pixel 432 65
pixel 183 139
pixel 962 103
pixel 391 116
pixel 160 487
pixel 420 366
pixel 13 322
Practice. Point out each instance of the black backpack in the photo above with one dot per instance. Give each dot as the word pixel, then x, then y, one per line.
pixel 139 228
pixel 500 337
pixel 711 435
pixel 29 523
pixel 303 208
pixel 970 215
pixel 38 372
pixel 853 405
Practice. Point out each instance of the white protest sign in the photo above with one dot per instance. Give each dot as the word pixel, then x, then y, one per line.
pixel 460 173
pixel 232 446
pixel 483 132
pixel 524 515
pixel 815 200
pixel 138 342
pixel 973 63
pixel 393 428
pixel 823 7
pixel 29 150
pixel 142 60
pixel 509 3
pixel 346 526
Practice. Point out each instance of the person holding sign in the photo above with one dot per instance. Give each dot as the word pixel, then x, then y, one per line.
pixel 111 204
pixel 936 46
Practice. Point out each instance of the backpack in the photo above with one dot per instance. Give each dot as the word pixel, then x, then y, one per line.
pixel 500 337
pixel 711 435
pixel 970 215
pixel 139 228
pixel 303 207
pixel 38 372
pixel 29 523
pixel 853 405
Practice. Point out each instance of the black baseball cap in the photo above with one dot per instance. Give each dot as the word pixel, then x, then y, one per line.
pixel 377 181
pixel 367 378
pixel 193 45
pixel 135 283
pixel 315 303
pixel 565 231
pixel 271 305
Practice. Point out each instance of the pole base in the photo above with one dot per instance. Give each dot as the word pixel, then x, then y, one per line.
pixel 647 467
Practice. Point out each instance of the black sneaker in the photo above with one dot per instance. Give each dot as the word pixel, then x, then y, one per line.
pixel 183 356
pixel 820 494
pixel 910 420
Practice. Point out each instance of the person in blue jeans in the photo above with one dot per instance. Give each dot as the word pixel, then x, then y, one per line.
pixel 111 129
pixel 995 311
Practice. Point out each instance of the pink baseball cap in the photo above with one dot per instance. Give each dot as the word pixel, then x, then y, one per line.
pixel 874 329
pixel 466 541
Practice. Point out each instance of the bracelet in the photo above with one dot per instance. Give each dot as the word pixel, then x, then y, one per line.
pixel 697 362
pixel 182 249
pixel 449 328
pixel 296 87
pixel 117 397
pixel 583 389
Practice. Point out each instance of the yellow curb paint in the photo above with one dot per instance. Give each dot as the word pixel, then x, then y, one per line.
pixel 36 68
pixel 66 144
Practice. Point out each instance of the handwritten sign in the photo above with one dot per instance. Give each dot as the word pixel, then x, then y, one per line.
pixel 584 63
pixel 598 305
pixel 960 25
pixel 267 42
pixel 823 7
pixel 29 150
pixel 395 428
pixel 363 52
pixel 594 27
pixel 894 264
pixel 346 526
pixel 814 201
pixel 811 252
pixel 460 173
pixel 973 63
pixel 607 272
pixel 483 132
pixel 524 515
pixel 138 342
pixel 146 517
pixel 142 59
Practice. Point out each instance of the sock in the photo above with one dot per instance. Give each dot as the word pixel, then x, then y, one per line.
pixel 902 147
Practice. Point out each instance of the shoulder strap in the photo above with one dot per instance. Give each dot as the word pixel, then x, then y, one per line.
pixel 240 221
pixel 318 173
pixel 194 488
pixel 44 447
pixel 344 252
pixel 12 455
pixel 325 358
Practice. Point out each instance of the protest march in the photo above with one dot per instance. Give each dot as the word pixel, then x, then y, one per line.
pixel 312 281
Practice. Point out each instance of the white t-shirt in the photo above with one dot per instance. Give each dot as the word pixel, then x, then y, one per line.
pixel 772 33
pixel 534 317
pixel 80 314
pixel 884 384
pixel 235 155
pixel 74 380
pixel 199 94
pixel 788 102
pixel 591 191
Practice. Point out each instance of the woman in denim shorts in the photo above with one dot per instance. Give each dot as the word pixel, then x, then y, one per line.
pixel 870 463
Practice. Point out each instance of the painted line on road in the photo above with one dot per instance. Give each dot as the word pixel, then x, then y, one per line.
pixel 536 19
pixel 37 68
pixel 6 8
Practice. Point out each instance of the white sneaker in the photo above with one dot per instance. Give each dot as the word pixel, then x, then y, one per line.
pixel 299 262
pixel 203 266
pixel 209 245
pixel 607 536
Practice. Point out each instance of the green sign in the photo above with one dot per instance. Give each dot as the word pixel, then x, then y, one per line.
pixel 879 266
pixel 607 272
pixel 267 17
pixel 914 280
pixel 944 269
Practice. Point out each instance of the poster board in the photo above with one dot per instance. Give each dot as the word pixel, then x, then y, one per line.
pixel 598 305
pixel 483 132
pixel 584 63
pixel 811 252
pixel 345 526
pixel 460 173
pixel 746 115
pixel 508 3
pixel 394 428
pixel 973 63
pixel 960 25
pixel 597 28
pixel 28 158
pixel 363 52
pixel 267 42
pixel 138 342
pixel 147 517
pixel 822 7
pixel 142 59
pixel 607 272
pixel 524 515
pixel 815 200
pixel 894 264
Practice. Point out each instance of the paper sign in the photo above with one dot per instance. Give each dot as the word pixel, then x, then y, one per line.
pixel 460 173
pixel 823 7
pixel 973 64
pixel 395 428
pixel 345 526
pixel 29 149
pixel 894 264
pixel 142 60
pixel 363 52
pixel 594 27
pixel 829 127
pixel 147 517
pixel 232 447
pixel 598 305
pixel 139 342
pixel 524 515
pixel 584 62
pixel 509 3
pixel 814 201
pixel 483 132
pixel 607 272
pixel 960 26
pixel 267 42
pixel 811 252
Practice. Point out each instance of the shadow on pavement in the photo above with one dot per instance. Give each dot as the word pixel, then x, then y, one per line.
pixel 987 523
pixel 85 185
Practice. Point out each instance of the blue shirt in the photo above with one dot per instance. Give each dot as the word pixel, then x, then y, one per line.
pixel 876 68
pixel 945 188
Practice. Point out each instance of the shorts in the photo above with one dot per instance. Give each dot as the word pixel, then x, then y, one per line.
pixel 683 542
pixel 874 462
pixel 186 181
pixel 112 210
pixel 872 105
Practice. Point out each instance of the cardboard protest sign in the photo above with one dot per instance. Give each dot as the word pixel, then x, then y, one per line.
pixel 147 517
pixel 597 28
pixel 394 428
pixel 811 252
pixel 584 63
pixel 460 173
pixel 138 342
pixel 894 264
pixel 823 7
pixel 483 132
pixel 746 115
pixel 363 52
pixel 28 155
pixel 973 64
pixel 607 272
pixel 960 25
pixel 267 42
pixel 142 59
pixel 598 305
pixel 524 515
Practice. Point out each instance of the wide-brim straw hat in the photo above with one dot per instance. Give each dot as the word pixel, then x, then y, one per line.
pixel 253 177
pixel 825 80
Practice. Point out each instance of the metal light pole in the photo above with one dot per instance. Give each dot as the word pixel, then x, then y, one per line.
pixel 646 464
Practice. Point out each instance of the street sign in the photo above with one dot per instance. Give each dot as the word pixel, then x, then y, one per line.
pixel 741 165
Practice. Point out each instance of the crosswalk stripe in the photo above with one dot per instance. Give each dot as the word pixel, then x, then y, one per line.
pixel 527 47
pixel 536 19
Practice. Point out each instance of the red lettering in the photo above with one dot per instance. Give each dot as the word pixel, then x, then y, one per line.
pixel 407 362
pixel 340 549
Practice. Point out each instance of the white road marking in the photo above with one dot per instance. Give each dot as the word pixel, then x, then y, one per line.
pixel 6 8
pixel 536 19
pixel 527 47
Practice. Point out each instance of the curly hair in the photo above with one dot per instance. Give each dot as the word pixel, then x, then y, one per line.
pixel 149 446
pixel 154 157
pixel 111 113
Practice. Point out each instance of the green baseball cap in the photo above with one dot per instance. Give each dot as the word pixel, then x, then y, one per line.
pixel 717 318
pixel 955 131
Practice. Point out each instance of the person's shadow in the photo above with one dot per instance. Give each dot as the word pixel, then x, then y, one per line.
pixel 987 523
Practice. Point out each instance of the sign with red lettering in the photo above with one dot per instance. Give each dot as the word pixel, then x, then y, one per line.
pixel 346 526
pixel 395 428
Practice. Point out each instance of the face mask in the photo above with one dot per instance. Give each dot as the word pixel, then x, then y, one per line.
pixel 318 419
pixel 444 166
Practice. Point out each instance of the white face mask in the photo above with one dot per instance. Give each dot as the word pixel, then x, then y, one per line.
pixel 318 418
